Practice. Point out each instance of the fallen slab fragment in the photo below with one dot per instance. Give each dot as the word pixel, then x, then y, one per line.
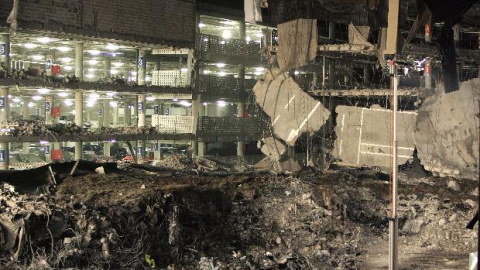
pixel 363 136
pixel 291 110
pixel 447 132
pixel 298 41
pixel 272 148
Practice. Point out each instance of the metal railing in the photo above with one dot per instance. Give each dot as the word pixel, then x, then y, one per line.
pixel 217 48
pixel 230 129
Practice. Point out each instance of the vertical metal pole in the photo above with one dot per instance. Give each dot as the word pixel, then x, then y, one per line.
pixel 393 219
pixel 428 33
pixel 323 73
pixel 78 121
pixel 141 67
pixel 428 73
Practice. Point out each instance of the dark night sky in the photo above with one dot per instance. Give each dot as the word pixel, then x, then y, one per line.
pixel 236 4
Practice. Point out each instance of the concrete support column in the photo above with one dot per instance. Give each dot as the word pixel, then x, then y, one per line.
pixel 107 67
pixel 190 67
pixel 4 117
pixel 201 146
pixel 106 149
pixel 195 108
pixel 141 109
pixel 157 154
pixel 5 46
pixel 428 33
pixel 367 74
pixel 331 74
pixel 25 110
pixel 332 26
pixel 48 110
pixel 78 120
pixel 4 156
pixel 106 114
pixel 240 144
pixel 142 67
pixel 127 113
pixel 456 35
pixel 100 114
pixel 115 115
pixel 25 114
pixel 79 60
pixel 5 107
pixel 428 73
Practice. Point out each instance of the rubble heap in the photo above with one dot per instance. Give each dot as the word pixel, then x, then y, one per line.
pixel 134 219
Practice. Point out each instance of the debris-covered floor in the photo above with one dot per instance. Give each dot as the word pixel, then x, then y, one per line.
pixel 137 218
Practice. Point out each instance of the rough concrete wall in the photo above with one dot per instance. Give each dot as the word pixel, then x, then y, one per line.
pixel 169 22
pixel 297 41
pixel 291 110
pixel 363 136
pixel 446 135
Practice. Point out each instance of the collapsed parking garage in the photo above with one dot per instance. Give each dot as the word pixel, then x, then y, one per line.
pixel 255 134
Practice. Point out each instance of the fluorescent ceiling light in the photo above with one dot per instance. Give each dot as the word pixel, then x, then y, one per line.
pixel 259 69
pixel 90 76
pixel 112 47
pixel 113 104
pixel 37 57
pixel 68 68
pixel 221 103
pixel 63 94
pixel 117 64
pixel 94 95
pixel 220 65
pixel 43 90
pixel 36 97
pixel 30 45
pixel 111 94
pixel 113 71
pixel 43 40
pixel 228 22
pixel 16 100
pixel 222 73
pixel 30 104
pixel 68 102
pixel 94 52
pixel 227 34
pixel 66 59
pixel 91 69
pixel 206 71
pixel 151 98
pixel 184 69
pixel 201 25
pixel 92 62
pixel 296 72
pixel 185 103
pixel 64 49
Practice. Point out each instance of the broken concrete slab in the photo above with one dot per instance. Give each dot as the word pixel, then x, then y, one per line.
pixel 446 134
pixel 292 111
pixel 272 148
pixel 297 41
pixel 287 166
pixel 363 136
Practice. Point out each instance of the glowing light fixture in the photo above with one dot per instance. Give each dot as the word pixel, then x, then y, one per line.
pixel 184 69
pixel 220 65
pixel 37 57
pixel 36 97
pixel 90 76
pixel 64 49
pixel 112 47
pixel 222 103
pixel 17 100
pixel 44 40
pixel 117 64
pixel 200 25
pixel 94 52
pixel 43 90
pixel 30 45
pixel 66 59
pixel 113 104
pixel 226 34
pixel 68 68
pixel 92 62
pixel 68 102
pixel 151 98
pixel 30 104
pixel 63 94
pixel 222 73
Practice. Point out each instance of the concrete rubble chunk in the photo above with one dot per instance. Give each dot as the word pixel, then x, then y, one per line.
pixel 297 43
pixel 446 134
pixel 453 185
pixel 291 110
pixel 363 136
pixel 273 148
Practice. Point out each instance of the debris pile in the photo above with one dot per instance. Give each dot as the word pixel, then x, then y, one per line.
pixel 134 219
pixel 171 162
